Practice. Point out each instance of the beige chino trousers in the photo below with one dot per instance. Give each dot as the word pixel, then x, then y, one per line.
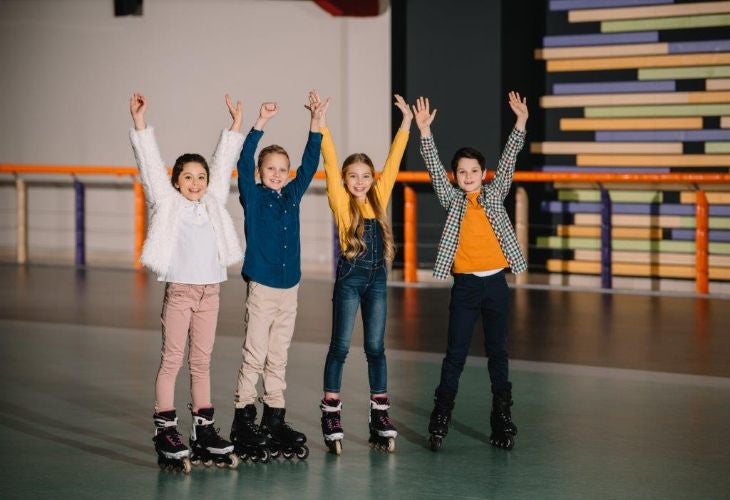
pixel 268 331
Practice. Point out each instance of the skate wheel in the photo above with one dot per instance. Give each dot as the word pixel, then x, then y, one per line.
pixel 265 456
pixel 303 452
pixel 254 458
pixel 187 467
pixel 335 447
pixel 287 454
pixel 207 463
pixel 275 453
pixel 435 442
pixel 234 461
pixel 243 456
pixel 390 446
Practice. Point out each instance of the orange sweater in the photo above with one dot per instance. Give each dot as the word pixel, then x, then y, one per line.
pixel 478 248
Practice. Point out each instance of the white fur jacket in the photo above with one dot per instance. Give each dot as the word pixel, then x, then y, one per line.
pixel 164 201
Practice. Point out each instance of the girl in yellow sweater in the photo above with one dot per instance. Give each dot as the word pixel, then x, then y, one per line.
pixel 366 245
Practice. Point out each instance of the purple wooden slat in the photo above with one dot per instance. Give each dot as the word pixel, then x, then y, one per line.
pixel 719 210
pixel 707 46
pixel 717 235
pixel 597 4
pixel 662 135
pixel 617 208
pixel 605 170
pixel 615 87
pixel 602 39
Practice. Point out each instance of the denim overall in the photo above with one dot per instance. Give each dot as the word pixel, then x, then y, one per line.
pixel 360 282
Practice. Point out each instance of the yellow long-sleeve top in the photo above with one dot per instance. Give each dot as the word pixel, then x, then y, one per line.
pixel 478 248
pixel 339 198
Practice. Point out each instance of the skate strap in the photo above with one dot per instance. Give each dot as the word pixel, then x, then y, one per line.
pixel 162 423
pixel 379 404
pixel 330 409
pixel 202 420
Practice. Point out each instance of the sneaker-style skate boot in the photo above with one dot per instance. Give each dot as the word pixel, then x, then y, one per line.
pixel 503 429
pixel 438 425
pixel 172 454
pixel 332 424
pixel 206 444
pixel 283 439
pixel 247 438
pixel 382 430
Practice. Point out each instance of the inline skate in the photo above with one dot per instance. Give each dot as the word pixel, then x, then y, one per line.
pixel 332 424
pixel 382 431
pixel 438 426
pixel 503 429
pixel 206 444
pixel 247 438
pixel 283 439
pixel 172 454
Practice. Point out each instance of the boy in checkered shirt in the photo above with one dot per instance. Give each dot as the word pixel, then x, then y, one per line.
pixel 477 244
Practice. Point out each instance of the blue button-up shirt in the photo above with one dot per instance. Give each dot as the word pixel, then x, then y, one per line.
pixel 271 223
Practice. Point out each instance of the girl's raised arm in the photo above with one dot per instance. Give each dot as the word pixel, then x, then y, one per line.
pixel 226 153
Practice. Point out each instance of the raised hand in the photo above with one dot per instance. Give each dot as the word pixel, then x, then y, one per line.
pixel 236 113
pixel 137 108
pixel 268 110
pixel 424 116
pixel 318 109
pixel 519 107
pixel 407 114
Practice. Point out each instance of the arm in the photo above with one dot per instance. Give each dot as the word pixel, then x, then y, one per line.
pixel 152 171
pixel 310 158
pixel 506 167
pixel 445 191
pixel 384 185
pixel 336 192
pixel 224 157
pixel 246 164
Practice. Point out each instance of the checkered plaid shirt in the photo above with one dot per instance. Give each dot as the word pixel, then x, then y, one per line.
pixel 492 196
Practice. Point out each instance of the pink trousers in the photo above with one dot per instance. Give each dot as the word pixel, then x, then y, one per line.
pixel 189 317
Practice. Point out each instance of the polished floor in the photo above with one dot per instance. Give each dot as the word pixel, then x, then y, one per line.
pixel 616 396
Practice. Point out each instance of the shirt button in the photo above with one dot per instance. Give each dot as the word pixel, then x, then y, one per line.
pixel 284 228
pixel 284 265
pixel 284 246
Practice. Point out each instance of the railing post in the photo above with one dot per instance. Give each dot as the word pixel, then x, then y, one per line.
pixel 21 203
pixel 410 218
pixel 606 265
pixel 522 210
pixel 79 213
pixel 139 223
pixel 701 243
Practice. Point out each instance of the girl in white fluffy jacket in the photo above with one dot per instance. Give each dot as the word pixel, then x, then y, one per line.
pixel 191 240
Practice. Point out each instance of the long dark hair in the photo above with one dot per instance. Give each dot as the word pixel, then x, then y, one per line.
pixel 180 163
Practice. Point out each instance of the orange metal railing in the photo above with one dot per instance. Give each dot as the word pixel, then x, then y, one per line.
pixel 410 212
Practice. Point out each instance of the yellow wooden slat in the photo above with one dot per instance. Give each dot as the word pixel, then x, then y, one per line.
pixel 608 63
pixel 682 259
pixel 717 84
pixel 577 101
pixel 631 233
pixel 689 160
pixel 627 269
pixel 688 197
pixel 648 12
pixel 571 148
pixel 601 51
pixel 725 122
pixel 570 124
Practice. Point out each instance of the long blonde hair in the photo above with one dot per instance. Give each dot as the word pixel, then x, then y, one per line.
pixel 354 242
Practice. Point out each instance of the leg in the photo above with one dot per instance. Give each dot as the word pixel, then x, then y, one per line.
pixel 345 302
pixel 202 338
pixel 495 318
pixel 463 311
pixel 261 308
pixel 175 318
pixel 280 335
pixel 374 312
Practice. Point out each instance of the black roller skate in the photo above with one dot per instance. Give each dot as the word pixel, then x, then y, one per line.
pixel 247 438
pixel 332 424
pixel 283 439
pixel 172 454
pixel 206 444
pixel 438 426
pixel 503 429
pixel 382 431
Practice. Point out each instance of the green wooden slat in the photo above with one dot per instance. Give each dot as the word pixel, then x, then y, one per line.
pixel 684 73
pixel 717 147
pixel 719 223
pixel 574 243
pixel 666 23
pixel 618 196
pixel 654 110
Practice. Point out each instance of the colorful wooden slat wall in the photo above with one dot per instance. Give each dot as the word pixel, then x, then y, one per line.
pixel 636 86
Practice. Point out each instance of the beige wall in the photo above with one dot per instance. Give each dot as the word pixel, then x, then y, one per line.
pixel 69 66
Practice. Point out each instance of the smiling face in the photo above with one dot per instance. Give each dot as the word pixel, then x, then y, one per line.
pixel 358 179
pixel 469 175
pixel 193 181
pixel 274 171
